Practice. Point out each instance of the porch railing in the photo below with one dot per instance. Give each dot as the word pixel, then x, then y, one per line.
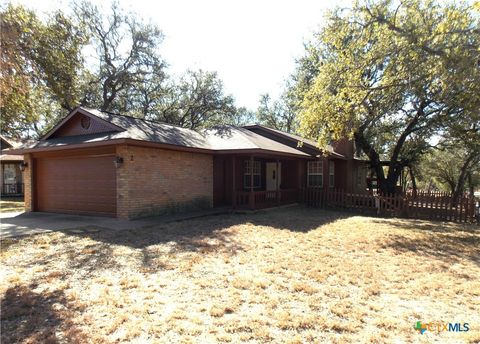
pixel 266 199
pixel 12 189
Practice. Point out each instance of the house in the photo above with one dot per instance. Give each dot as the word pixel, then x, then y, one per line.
pixel 11 177
pixel 100 163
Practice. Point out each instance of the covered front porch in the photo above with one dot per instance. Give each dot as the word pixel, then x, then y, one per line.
pixel 257 181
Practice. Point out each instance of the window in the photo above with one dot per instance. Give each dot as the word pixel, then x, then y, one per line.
pixel 315 174
pixel 331 174
pixel 9 173
pixel 247 172
pixel 361 175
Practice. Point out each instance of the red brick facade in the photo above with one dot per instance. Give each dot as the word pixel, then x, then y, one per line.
pixel 155 181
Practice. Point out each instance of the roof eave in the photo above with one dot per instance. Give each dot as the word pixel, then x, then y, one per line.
pixel 127 141
pixel 66 146
pixel 261 151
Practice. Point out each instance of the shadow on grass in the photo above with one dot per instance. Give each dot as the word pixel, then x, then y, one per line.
pixel 158 245
pixel 212 233
pixel 207 235
pixel 82 259
pixel 448 242
pixel 30 317
pixel 298 219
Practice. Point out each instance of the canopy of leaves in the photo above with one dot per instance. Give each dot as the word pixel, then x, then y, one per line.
pixel 196 101
pixel 441 169
pixel 278 114
pixel 391 75
pixel 106 60
pixel 40 62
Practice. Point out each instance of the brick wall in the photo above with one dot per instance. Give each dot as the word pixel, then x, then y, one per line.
pixel 156 181
pixel 28 182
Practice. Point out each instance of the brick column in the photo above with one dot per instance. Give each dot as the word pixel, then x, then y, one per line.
pixel 28 183
pixel 123 175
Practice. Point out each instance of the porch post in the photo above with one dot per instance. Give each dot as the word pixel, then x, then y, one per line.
pixel 234 189
pixel 277 196
pixel 300 188
pixel 252 195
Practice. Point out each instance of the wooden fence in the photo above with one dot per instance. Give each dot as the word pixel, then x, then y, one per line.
pixel 420 206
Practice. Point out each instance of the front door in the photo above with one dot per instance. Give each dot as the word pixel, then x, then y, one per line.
pixel 273 175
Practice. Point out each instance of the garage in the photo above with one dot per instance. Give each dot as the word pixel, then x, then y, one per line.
pixel 83 185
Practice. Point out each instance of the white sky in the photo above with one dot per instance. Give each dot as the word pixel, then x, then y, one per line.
pixel 251 44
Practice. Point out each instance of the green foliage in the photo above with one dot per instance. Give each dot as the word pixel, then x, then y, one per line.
pixel 106 60
pixel 197 100
pixel 243 116
pixel 442 169
pixel 390 75
pixel 128 55
pixel 39 60
pixel 278 114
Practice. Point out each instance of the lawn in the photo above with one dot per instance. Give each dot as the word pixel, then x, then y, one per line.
pixel 293 275
pixel 8 205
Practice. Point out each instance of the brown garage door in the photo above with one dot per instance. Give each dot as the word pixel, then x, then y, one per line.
pixel 79 185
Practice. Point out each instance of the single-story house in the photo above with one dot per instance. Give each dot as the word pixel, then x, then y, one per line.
pixel 11 177
pixel 101 163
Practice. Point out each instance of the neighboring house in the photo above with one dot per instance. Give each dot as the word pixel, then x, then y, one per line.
pixel 100 163
pixel 11 178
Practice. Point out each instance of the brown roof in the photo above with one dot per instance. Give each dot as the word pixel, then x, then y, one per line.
pixel 296 138
pixel 222 138
pixel 127 127
pixel 231 138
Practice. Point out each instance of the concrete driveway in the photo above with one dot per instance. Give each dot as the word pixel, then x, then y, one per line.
pixel 19 224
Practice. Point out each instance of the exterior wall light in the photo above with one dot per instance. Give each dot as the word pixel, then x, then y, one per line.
pixel 23 166
pixel 118 161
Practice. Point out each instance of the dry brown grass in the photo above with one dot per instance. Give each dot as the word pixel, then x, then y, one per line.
pixel 8 205
pixel 291 276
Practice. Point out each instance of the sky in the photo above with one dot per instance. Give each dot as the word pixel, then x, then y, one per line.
pixel 251 44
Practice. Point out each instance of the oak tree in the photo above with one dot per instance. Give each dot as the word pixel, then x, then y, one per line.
pixel 391 75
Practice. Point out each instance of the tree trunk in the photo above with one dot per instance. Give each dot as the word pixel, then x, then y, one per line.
pixel 389 185
pixel 392 178
pixel 461 180
pixel 414 181
pixel 375 162
pixel 471 189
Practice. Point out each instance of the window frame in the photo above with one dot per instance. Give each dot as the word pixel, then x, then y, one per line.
pixel 314 170
pixel 257 174
pixel 331 173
